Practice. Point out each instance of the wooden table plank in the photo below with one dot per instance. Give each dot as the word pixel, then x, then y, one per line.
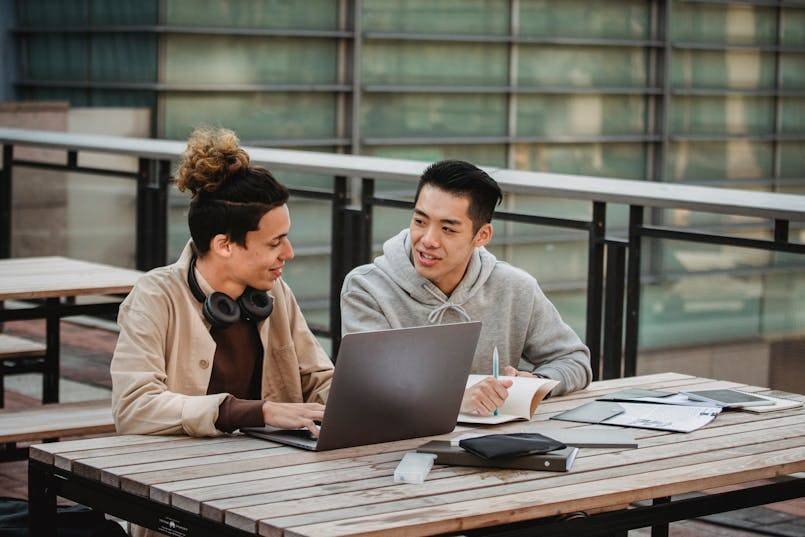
pixel 46 277
pixel 490 483
pixel 571 498
pixel 45 452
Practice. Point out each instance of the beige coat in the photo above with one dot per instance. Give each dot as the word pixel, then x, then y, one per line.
pixel 163 360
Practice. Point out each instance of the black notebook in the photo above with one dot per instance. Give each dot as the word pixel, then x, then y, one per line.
pixel 554 461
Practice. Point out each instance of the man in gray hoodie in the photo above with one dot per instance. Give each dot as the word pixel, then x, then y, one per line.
pixel 438 271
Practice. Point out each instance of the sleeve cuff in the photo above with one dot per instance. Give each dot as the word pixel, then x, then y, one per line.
pixel 235 413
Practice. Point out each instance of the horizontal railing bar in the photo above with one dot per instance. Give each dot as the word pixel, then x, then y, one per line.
pixel 761 3
pixel 659 232
pixel 473 89
pixel 697 45
pixel 191 30
pixel 483 140
pixel 190 87
pixel 542 220
pixel 507 38
pixel 78 169
pixel 299 142
pixel 312 193
pixel 576 187
pixel 768 137
pixel 717 92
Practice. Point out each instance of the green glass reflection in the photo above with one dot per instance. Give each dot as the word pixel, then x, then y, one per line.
pixel 746 69
pixel 480 155
pixel 792 159
pixel 793 28
pixel 733 114
pixel 735 159
pixel 625 161
pixel 563 115
pixel 75 97
pixel 558 261
pixel 782 311
pixel 690 257
pixel 700 309
pixel 51 12
pixel 124 11
pixel 248 60
pixel 124 58
pixel 57 57
pixel 406 62
pixel 792 71
pixel 626 19
pixel 442 17
pixel 792 118
pixel 433 115
pixel 387 222
pixel 735 24
pixel 291 14
pixel 581 66
pixel 254 116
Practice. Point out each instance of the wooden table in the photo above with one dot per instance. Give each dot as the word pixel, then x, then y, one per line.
pixel 241 486
pixel 51 279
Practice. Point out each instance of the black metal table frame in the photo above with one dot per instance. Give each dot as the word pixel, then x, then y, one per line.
pixel 46 482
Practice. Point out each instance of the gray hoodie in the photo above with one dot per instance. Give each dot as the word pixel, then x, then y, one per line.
pixel 516 315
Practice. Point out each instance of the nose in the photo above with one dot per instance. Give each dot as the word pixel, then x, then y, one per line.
pixel 430 238
pixel 287 254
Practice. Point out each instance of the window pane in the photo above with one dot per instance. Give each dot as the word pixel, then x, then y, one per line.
pixel 57 57
pixel 442 17
pixel 301 14
pixel 581 18
pixel 792 67
pixel 403 62
pixel 735 159
pixel 625 161
pixel 254 116
pixel 738 24
pixel 734 114
pixel 124 11
pixel 722 69
pixel 480 155
pixel 556 115
pixel 433 115
pixel 51 12
pixel 792 119
pixel 793 33
pixel 581 66
pixel 124 58
pixel 248 60
pixel 792 159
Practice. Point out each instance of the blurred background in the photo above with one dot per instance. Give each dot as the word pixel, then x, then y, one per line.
pixel 693 92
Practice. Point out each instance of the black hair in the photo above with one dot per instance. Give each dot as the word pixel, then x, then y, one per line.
pixel 464 179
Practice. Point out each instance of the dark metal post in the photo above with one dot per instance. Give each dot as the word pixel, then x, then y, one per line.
pixel 781 231
pixel 595 283
pixel 41 501
pixel 5 201
pixel 367 194
pixel 337 256
pixel 633 291
pixel 613 315
pixel 152 213
pixel 660 530
pixel 50 375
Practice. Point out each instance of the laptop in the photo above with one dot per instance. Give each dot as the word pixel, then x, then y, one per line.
pixel 391 385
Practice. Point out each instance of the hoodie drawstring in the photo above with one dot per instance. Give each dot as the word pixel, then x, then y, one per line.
pixel 435 316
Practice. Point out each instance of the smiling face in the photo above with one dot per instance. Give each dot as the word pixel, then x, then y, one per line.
pixel 259 264
pixel 443 238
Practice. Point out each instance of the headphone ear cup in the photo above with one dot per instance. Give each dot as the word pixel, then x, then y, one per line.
pixel 258 305
pixel 220 310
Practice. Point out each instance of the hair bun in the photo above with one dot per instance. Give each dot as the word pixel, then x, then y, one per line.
pixel 213 155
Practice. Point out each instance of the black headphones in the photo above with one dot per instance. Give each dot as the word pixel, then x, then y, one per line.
pixel 221 311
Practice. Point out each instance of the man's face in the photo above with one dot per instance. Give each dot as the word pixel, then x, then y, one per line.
pixel 442 237
pixel 260 264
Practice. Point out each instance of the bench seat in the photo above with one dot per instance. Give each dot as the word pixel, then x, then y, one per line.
pixel 56 420
pixel 12 347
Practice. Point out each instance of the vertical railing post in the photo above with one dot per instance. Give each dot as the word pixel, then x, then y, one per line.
pixel 337 256
pixel 367 195
pixel 633 291
pixel 595 283
pixel 152 213
pixel 613 310
pixel 5 201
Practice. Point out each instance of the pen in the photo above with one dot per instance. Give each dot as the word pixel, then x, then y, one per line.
pixel 495 370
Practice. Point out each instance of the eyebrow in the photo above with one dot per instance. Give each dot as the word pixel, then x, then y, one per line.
pixel 278 237
pixel 449 221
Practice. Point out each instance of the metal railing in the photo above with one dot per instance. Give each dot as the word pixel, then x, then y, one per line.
pixel 611 335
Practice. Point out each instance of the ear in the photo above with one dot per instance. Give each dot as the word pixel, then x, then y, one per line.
pixel 484 235
pixel 221 245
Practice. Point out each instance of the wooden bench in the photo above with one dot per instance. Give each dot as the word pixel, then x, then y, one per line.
pixel 52 421
pixel 18 355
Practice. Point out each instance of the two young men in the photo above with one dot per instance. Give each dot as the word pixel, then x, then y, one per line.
pixel 438 271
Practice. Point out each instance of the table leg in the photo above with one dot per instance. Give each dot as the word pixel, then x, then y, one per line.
pixel 41 501
pixel 50 377
pixel 660 530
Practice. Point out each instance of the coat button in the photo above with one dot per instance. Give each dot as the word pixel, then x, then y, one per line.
pixel 204 364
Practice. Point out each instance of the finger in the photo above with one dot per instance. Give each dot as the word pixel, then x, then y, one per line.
pixel 314 406
pixel 509 371
pixel 507 383
pixel 310 426
pixel 494 394
pixel 500 390
pixel 315 415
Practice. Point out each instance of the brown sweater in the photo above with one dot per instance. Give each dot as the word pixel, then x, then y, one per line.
pixel 237 369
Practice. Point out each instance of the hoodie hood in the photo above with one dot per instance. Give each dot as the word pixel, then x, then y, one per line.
pixel 396 263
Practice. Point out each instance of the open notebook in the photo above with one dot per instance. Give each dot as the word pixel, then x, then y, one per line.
pixel 525 395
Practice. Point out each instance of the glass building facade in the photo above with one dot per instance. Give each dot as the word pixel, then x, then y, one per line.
pixel 691 92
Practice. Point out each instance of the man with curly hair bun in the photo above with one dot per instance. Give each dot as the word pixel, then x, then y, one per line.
pixel 216 341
